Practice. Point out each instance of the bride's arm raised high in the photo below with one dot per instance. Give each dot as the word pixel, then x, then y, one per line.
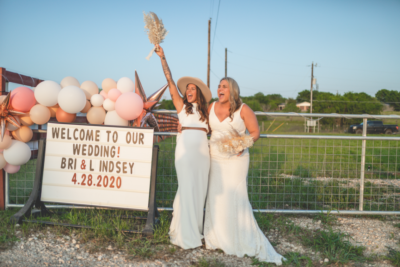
pixel 176 98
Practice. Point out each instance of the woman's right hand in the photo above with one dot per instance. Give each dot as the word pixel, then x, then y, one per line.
pixel 179 128
pixel 159 51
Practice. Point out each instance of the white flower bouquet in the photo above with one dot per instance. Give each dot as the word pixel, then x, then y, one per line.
pixel 155 30
pixel 234 143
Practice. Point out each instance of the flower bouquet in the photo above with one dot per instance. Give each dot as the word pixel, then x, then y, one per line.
pixel 234 143
pixel 155 30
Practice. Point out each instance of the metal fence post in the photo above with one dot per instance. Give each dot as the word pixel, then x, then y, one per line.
pixel 363 147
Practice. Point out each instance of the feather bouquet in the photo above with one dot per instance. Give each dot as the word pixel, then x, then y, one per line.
pixel 155 30
pixel 234 143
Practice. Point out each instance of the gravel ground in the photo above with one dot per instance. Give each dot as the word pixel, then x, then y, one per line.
pixel 47 249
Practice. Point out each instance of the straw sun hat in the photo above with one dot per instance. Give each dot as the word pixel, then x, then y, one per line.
pixel 184 81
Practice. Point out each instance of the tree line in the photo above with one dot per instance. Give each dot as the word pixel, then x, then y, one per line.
pixel 323 102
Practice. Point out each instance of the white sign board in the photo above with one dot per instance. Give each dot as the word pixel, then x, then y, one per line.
pixel 311 123
pixel 102 166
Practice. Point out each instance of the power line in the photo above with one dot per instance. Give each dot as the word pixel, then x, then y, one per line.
pixel 216 23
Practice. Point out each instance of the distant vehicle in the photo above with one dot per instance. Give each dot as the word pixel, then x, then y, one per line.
pixel 374 127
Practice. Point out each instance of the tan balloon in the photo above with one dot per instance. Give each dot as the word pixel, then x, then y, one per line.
pixel 108 84
pixel 6 143
pixel 67 81
pixel 63 116
pixel 26 120
pixel 23 134
pixel 2 161
pixel 40 114
pixel 12 127
pixel 53 110
pixel 87 107
pixel 96 115
pixel 90 88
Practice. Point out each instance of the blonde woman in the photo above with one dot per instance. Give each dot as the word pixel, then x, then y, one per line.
pixel 192 157
pixel 229 221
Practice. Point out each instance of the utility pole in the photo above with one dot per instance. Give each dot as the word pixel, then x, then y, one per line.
pixel 226 62
pixel 209 42
pixel 312 79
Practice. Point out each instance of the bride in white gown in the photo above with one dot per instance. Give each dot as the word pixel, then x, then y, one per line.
pixel 229 221
pixel 192 158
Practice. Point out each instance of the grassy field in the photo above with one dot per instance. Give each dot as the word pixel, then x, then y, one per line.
pixel 288 174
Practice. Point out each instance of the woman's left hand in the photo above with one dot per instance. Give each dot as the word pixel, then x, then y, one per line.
pixel 240 153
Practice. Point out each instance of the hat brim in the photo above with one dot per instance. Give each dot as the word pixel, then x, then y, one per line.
pixel 184 81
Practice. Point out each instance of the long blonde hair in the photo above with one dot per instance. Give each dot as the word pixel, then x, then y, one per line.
pixel 234 98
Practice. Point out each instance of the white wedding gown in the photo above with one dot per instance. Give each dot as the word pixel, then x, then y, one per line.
pixel 229 221
pixel 192 163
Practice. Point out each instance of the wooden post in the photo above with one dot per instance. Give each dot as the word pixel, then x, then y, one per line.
pixel 226 62
pixel 209 42
pixel 2 173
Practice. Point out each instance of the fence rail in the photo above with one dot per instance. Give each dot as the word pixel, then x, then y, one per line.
pixel 290 173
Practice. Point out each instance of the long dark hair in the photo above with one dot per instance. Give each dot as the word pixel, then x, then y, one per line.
pixel 201 103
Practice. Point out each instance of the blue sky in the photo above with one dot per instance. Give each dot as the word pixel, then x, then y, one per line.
pixel 271 43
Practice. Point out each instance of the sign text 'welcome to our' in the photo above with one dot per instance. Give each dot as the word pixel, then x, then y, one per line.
pixel 98 165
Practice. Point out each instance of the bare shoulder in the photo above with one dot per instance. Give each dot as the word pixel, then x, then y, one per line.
pixel 246 110
pixel 210 106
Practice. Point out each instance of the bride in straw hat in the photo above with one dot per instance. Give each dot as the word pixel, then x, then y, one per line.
pixel 192 157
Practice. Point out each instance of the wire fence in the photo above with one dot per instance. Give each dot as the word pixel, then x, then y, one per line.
pixel 290 173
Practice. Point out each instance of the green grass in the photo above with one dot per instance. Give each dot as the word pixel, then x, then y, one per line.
pixel 203 262
pixel 393 256
pixel 335 246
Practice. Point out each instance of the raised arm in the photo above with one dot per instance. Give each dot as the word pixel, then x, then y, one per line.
pixel 250 120
pixel 176 98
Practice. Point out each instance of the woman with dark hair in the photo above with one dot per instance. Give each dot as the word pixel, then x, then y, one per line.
pixel 192 157
pixel 229 221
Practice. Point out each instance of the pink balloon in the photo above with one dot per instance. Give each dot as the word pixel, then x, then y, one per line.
pixel 129 106
pixel 22 99
pixel 104 94
pixel 113 94
pixel 11 168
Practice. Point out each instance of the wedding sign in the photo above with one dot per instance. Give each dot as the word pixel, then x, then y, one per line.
pixel 103 166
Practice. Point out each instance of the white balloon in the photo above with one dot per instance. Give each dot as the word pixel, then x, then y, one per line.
pixel 11 127
pixel 72 99
pixel 97 100
pixel 125 85
pixel 46 93
pixel 112 118
pixel 3 162
pixel 89 88
pixel 18 153
pixel 109 105
pixel 67 81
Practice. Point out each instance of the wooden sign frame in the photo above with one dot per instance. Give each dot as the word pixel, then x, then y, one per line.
pixel 35 197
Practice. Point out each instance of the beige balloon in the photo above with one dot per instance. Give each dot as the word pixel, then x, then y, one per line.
pixel 6 143
pixel 23 134
pixel 90 88
pixel 2 161
pixel 108 84
pixel 87 107
pixel 12 127
pixel 26 120
pixel 40 114
pixel 67 81
pixel 96 115
pixel 53 110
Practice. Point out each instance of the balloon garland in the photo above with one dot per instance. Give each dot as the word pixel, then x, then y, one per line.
pixel 120 103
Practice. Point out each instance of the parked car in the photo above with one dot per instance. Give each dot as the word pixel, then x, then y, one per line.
pixel 374 127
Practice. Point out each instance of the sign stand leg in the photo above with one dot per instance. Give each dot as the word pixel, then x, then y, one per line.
pixel 34 198
pixel 153 212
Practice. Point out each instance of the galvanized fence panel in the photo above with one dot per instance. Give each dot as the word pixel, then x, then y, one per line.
pixel 290 174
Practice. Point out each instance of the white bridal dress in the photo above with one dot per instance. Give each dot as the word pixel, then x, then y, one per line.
pixel 229 221
pixel 192 163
